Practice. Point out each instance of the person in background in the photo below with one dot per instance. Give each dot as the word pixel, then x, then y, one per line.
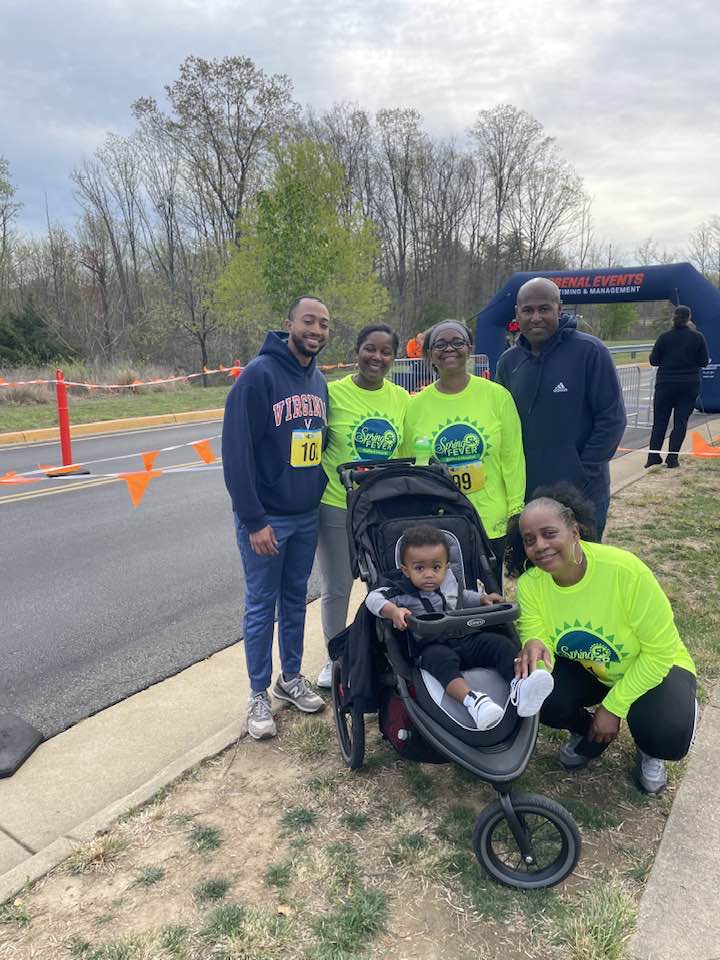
pixel 272 440
pixel 414 347
pixel 365 422
pixel 596 616
pixel 471 425
pixel 567 393
pixel 679 354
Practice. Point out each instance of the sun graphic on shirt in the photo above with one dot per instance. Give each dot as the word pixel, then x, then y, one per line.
pixel 461 441
pixel 596 650
pixel 373 438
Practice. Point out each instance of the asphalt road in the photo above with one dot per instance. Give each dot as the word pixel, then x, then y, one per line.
pixel 99 600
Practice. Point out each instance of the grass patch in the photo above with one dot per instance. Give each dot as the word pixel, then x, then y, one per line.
pixel 419 783
pixel 589 816
pixel 354 821
pixel 278 875
pixel 406 849
pixel 210 890
pixel 599 925
pixel 173 940
pixel 309 738
pixel 102 852
pixel 123 949
pixel 205 839
pixel 236 931
pixel 149 877
pixel 457 826
pixel 341 871
pixel 349 929
pixel 27 416
pixel 14 913
pixel 298 818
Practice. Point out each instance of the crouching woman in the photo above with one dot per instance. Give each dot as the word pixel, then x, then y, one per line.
pixel 597 617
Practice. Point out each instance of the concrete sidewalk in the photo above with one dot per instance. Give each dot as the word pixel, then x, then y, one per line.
pixel 85 778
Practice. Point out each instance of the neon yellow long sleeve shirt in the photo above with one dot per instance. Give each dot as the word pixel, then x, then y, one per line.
pixel 477 434
pixel 362 425
pixel 616 622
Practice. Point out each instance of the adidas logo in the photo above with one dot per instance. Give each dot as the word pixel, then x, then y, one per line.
pixel 560 388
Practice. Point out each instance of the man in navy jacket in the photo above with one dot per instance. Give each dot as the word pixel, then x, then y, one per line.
pixel 273 435
pixel 566 389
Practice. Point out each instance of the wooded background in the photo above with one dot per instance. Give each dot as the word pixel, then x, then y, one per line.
pixel 194 232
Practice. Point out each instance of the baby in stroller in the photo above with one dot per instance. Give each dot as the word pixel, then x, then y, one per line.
pixel 426 584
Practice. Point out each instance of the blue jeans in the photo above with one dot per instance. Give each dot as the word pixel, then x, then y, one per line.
pixel 277 581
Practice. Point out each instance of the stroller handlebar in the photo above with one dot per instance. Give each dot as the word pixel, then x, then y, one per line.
pixel 354 470
pixel 462 622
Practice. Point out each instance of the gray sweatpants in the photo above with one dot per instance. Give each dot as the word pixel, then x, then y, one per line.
pixel 333 555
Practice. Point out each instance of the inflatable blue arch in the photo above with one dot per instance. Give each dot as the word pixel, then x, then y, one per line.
pixel 676 282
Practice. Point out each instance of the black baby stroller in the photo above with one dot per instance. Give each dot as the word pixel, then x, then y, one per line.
pixel 522 840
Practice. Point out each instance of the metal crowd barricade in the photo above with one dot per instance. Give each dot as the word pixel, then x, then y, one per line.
pixel 413 375
pixel 629 378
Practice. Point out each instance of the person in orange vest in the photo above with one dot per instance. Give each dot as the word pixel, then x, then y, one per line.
pixel 414 346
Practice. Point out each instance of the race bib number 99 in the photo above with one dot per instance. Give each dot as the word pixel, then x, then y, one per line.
pixel 468 477
pixel 305 448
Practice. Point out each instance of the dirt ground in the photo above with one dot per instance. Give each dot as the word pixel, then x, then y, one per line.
pixel 313 861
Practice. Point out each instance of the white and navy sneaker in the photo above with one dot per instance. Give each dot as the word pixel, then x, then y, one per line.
pixel 484 711
pixel 529 693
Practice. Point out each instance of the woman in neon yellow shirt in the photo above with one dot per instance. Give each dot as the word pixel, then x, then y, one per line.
pixel 366 413
pixel 596 616
pixel 472 425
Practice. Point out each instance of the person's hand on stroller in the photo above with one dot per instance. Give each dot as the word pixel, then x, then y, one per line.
pixel 527 660
pixel 397 614
pixel 488 599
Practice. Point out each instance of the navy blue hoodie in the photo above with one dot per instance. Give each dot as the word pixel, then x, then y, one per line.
pixel 571 409
pixel 274 398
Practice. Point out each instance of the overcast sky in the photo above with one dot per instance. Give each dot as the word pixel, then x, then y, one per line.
pixel 631 90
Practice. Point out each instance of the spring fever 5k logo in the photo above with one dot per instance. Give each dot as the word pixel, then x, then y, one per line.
pixel 374 439
pixel 460 443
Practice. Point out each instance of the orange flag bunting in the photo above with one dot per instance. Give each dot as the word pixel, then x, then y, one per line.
pixel 204 450
pixel 12 477
pixel 701 448
pixel 149 458
pixel 137 483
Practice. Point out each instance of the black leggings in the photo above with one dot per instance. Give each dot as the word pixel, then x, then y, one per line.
pixel 678 399
pixel 662 721
pixel 446 661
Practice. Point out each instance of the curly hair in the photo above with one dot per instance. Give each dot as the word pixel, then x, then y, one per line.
pixel 571 507
pixel 422 535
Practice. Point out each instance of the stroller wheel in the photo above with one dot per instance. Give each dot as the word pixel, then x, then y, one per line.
pixel 549 834
pixel 349 724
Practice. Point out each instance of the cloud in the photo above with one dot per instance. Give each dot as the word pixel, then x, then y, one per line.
pixel 631 91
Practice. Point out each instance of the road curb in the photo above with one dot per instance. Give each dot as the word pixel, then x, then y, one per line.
pixel 111 426
pixel 36 866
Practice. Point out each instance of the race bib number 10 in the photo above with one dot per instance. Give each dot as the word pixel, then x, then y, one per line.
pixel 305 448
pixel 468 477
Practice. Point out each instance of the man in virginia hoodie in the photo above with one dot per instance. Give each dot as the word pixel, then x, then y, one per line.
pixel 566 389
pixel 273 435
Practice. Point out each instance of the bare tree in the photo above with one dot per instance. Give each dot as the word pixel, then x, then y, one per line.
pixel 507 139
pixel 225 114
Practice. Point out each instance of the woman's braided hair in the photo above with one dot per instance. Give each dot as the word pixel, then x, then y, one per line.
pixel 571 507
